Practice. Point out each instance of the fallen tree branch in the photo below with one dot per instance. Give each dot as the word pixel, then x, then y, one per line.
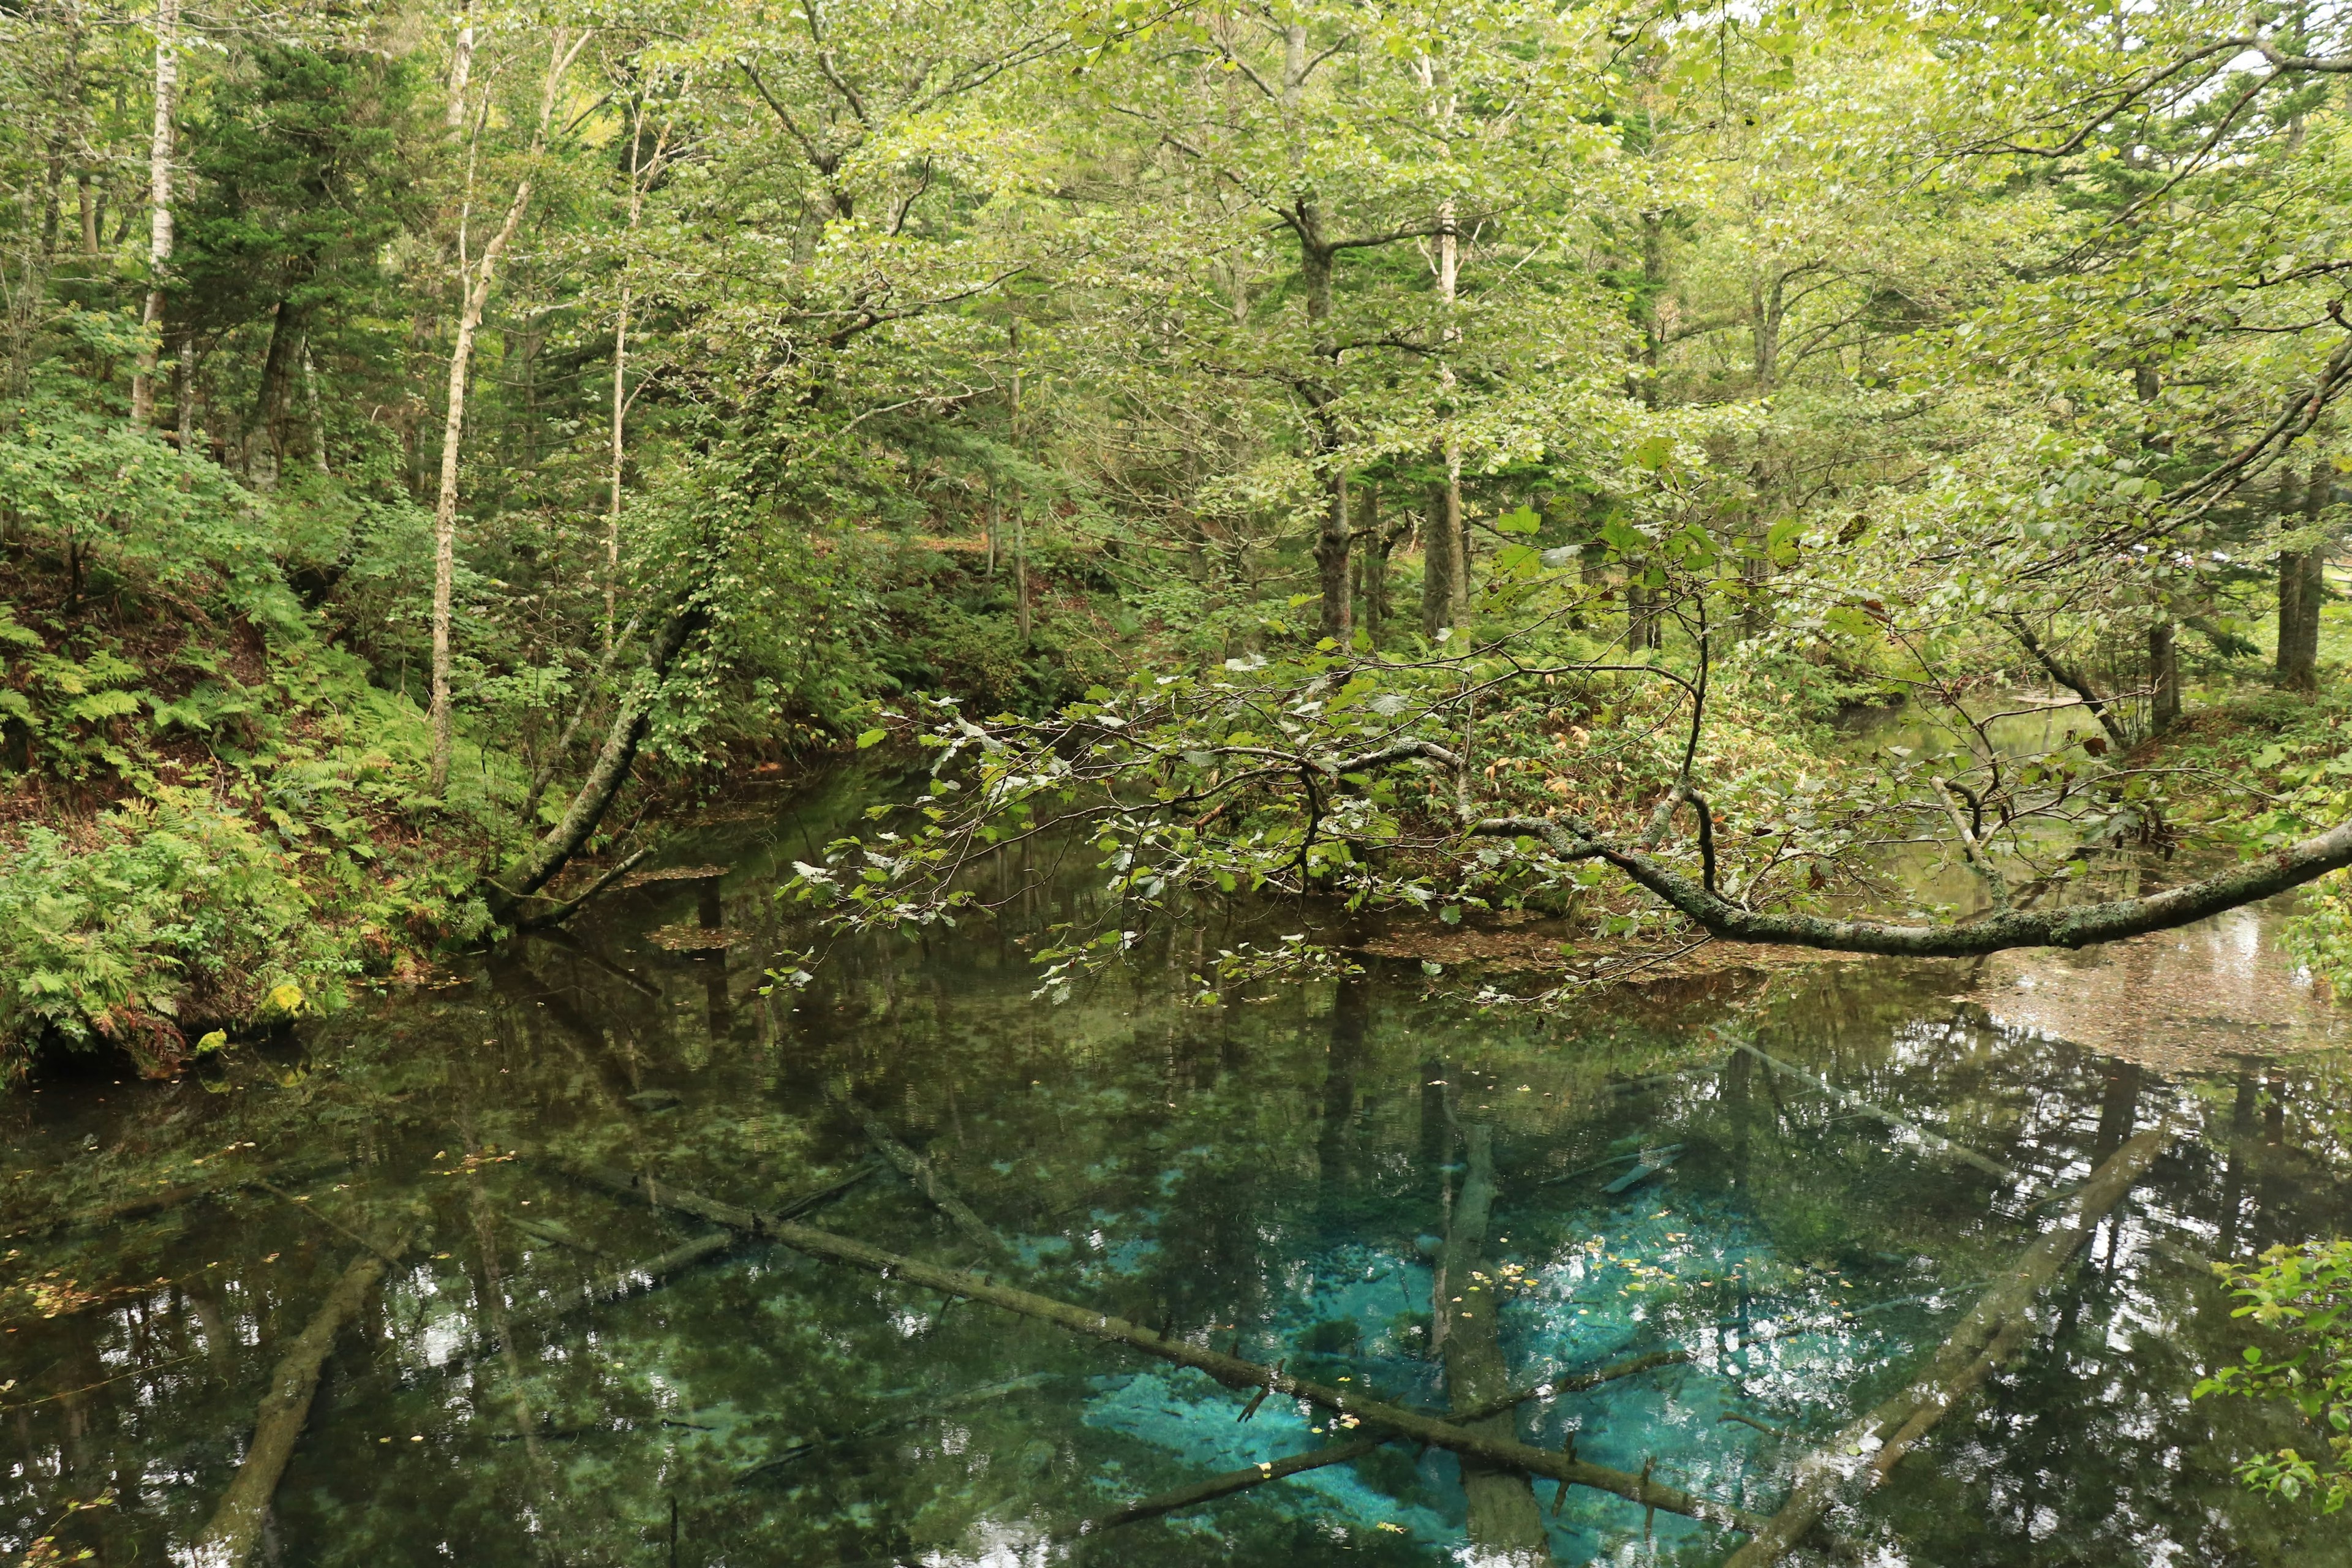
pixel 1230 1371
pixel 236 1526
pixel 1865 1449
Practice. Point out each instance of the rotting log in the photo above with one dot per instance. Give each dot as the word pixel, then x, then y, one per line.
pixel 927 1181
pixel 1852 1101
pixel 229 1538
pixel 1232 1481
pixel 1230 1371
pixel 1866 1449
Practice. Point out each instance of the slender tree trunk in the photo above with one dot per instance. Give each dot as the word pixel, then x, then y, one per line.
pixel 318 420
pixel 1021 570
pixel 159 185
pixel 1331 556
pixel 1444 582
pixel 620 413
pixel 475 281
pixel 184 396
pixel 2302 590
pixel 2164 678
pixel 461 63
pixel 640 176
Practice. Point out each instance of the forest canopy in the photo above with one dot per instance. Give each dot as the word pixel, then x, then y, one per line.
pixel 1454 459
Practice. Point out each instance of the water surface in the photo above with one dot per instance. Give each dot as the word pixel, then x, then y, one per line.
pixel 1275 1170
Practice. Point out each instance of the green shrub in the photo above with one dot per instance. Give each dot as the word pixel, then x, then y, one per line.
pixel 163 915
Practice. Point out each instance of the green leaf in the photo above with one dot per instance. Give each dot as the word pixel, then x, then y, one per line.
pixel 872 738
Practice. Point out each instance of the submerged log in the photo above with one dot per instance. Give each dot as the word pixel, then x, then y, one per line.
pixel 927 1179
pixel 1231 1371
pixel 1865 1449
pixel 1503 1517
pixel 1232 1482
pixel 631 1278
pixel 1852 1101
pixel 229 1540
pixel 228 1179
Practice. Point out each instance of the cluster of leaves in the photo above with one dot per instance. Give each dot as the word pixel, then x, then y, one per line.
pixel 2305 1293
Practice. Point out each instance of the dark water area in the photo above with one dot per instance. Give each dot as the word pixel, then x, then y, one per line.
pixel 1278 1170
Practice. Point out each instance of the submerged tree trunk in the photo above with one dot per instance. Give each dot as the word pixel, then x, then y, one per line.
pixel 236 1525
pixel 1994 1329
pixel 159 185
pixel 1503 1515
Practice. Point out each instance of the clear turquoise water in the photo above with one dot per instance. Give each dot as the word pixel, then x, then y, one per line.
pixel 1275 1171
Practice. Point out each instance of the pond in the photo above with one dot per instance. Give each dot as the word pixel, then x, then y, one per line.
pixel 1303 1176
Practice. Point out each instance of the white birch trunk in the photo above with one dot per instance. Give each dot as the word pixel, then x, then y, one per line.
pixel 474 279
pixel 159 185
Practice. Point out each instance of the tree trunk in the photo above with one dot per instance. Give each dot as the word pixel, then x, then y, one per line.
pixel 2299 594
pixel 1441 539
pixel 606 776
pixel 474 280
pixel 318 420
pixel 620 411
pixel 236 1525
pixel 2164 678
pixel 1372 566
pixel 2302 589
pixel 1331 556
pixel 1021 569
pixel 158 186
pixel 1456 579
pixel 2072 679
pixel 1765 310
pixel 287 348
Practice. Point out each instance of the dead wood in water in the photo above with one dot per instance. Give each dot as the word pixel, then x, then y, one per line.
pixel 1865 1450
pixel 1852 1101
pixel 236 1523
pixel 927 1179
pixel 1231 1371
pixel 634 1278
pixel 1503 1517
pixel 1232 1481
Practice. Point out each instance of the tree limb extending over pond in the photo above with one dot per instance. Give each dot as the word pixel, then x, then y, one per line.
pixel 1322 779
pixel 2082 925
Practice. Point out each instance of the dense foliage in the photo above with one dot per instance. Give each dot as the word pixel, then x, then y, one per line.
pixel 1423 458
